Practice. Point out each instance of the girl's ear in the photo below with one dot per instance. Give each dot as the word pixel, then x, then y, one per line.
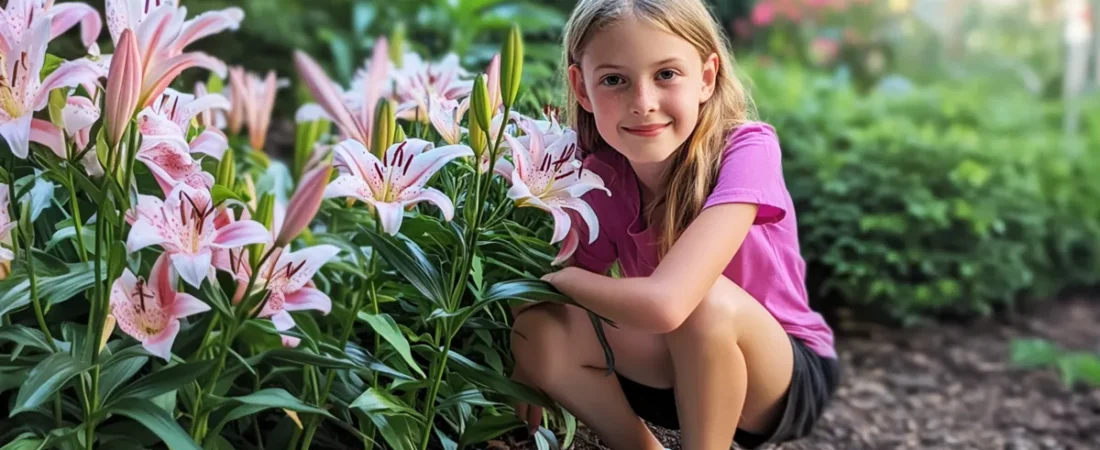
pixel 576 83
pixel 710 77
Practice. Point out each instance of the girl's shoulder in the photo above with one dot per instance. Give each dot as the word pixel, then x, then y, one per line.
pixel 606 164
pixel 752 134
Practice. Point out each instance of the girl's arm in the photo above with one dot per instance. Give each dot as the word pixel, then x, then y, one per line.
pixel 662 301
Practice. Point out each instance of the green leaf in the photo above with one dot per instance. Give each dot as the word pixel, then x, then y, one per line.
pixel 1033 352
pixel 15 291
pixel 408 259
pixel 529 290
pixel 25 441
pixel 156 420
pixel 164 380
pixel 221 193
pixel 496 382
pixel 386 327
pixel 270 398
pixel 400 432
pixel 45 379
pixel 118 372
pixel 489 427
pixel 373 401
pixel 26 336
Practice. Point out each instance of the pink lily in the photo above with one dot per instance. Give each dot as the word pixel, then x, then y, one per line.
pixel 6 225
pixel 259 104
pixel 447 119
pixel 351 111
pixel 164 126
pixel 18 17
pixel 79 114
pixel 548 175
pixel 21 91
pixel 396 181
pixel 305 202
pixel 418 84
pixel 288 278
pixel 162 34
pixel 238 98
pixel 150 312
pixel 183 225
pixel 213 140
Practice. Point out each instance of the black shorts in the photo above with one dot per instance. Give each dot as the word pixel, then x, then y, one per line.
pixel 813 384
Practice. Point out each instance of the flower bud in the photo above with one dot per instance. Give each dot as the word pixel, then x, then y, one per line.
pixel 511 66
pixel 227 171
pixel 480 106
pixel 123 86
pixel 384 124
pixel 304 203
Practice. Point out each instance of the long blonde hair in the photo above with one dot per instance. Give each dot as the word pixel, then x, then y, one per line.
pixel 694 168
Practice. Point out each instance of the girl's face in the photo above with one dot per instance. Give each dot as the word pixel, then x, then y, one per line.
pixel 644 86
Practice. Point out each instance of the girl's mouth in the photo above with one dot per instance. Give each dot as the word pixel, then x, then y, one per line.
pixel 648 130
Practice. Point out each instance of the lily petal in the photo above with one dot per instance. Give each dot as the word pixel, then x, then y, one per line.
pixel 193 268
pixel 212 142
pixel 308 298
pixel 586 212
pixel 159 77
pixel 79 113
pixel 68 74
pixel 439 199
pixel 206 24
pixel 161 344
pixel 66 15
pixel 47 134
pixel 282 320
pixel 18 134
pixel 426 164
pixel 187 305
pixel 390 215
pixel 349 186
pixel 324 91
pixel 307 261
pixel 241 233
pixel 568 247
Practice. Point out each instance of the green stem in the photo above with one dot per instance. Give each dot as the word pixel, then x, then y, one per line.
pixel 78 222
pixel 199 425
pixel 438 368
pixel 35 301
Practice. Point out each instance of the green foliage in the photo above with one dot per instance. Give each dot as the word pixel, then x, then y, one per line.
pixel 1074 367
pixel 947 199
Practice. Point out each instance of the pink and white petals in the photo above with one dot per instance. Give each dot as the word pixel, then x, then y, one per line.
pixel 150 311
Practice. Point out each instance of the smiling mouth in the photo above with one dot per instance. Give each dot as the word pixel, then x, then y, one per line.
pixel 647 130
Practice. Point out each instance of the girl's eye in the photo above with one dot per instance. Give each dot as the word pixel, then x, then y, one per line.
pixel 667 74
pixel 612 80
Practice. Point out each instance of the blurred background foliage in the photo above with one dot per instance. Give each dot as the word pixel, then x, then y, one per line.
pixel 926 141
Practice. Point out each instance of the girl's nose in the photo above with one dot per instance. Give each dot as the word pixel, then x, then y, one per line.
pixel 645 100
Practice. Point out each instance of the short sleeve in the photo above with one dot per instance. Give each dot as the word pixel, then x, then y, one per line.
pixel 600 254
pixel 751 172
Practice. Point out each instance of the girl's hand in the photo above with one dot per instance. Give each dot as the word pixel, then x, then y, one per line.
pixel 531 414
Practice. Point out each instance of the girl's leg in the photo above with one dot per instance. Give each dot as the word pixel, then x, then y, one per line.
pixel 733 364
pixel 557 351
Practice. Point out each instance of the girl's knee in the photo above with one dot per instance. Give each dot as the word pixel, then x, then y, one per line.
pixel 718 314
pixel 539 334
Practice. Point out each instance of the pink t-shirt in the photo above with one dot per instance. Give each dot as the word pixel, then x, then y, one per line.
pixel 768 265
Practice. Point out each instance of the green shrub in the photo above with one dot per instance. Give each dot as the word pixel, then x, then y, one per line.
pixel 944 200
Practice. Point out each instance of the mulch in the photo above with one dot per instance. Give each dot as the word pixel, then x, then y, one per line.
pixel 949 386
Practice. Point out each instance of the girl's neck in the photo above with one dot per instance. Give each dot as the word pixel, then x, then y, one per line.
pixel 651 179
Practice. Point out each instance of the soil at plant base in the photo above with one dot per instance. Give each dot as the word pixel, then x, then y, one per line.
pixel 947 386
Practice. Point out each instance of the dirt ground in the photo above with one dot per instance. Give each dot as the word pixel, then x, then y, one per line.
pixel 950 386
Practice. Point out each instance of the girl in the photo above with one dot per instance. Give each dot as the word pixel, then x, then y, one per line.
pixel 714 333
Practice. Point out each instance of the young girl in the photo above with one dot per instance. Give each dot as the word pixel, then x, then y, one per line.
pixel 714 333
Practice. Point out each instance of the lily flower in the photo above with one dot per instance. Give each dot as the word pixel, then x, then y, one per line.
pixel 21 91
pixel 548 175
pixel 164 127
pixel 395 181
pixel 6 225
pixel 260 101
pixel 183 225
pixel 17 18
pixel 418 83
pixel 150 311
pixel 287 277
pixel 447 120
pixel 351 111
pixel 163 34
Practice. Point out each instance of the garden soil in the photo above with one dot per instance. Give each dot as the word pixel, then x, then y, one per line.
pixel 948 386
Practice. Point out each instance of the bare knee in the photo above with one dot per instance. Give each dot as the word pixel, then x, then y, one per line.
pixel 716 317
pixel 539 337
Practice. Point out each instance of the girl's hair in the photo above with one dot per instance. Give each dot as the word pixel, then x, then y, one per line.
pixel 692 173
